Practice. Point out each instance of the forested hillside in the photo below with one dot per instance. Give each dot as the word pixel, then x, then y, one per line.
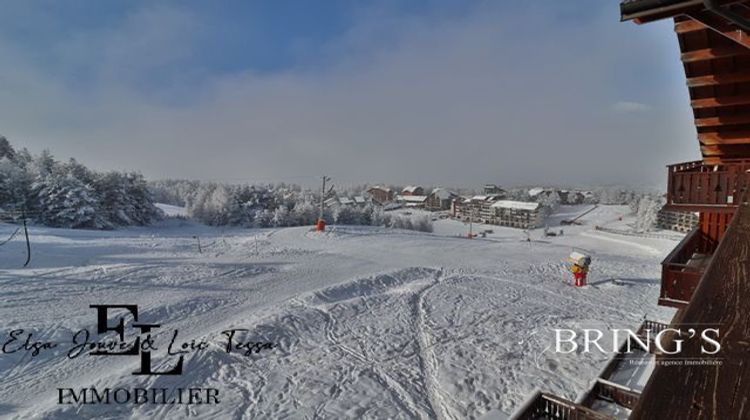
pixel 68 194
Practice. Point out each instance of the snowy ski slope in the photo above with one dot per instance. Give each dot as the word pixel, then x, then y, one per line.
pixel 368 322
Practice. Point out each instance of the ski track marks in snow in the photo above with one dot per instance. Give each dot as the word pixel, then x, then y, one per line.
pixel 416 340
pixel 411 284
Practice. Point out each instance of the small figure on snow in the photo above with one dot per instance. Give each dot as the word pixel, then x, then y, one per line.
pixel 579 267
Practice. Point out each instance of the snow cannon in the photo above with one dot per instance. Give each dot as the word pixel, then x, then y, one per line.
pixel 321 225
pixel 579 267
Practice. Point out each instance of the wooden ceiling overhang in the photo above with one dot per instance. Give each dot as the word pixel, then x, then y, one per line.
pixel 715 51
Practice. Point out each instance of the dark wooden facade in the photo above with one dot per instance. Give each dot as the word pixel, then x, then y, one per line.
pixel 721 300
pixel 381 195
pixel 680 274
pixel 707 274
pixel 715 53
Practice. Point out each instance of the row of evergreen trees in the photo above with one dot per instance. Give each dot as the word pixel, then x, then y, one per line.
pixel 277 205
pixel 68 194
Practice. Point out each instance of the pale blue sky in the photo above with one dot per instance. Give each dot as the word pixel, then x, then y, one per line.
pixel 435 92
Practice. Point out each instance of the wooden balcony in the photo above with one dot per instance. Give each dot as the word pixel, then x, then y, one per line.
pixel 543 406
pixel 610 396
pixel 654 327
pixel 607 392
pixel 683 268
pixel 704 390
pixel 695 186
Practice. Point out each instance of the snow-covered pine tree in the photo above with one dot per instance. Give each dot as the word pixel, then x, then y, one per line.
pixel 281 217
pixel 45 164
pixel 646 214
pixel 549 202
pixel 240 208
pixel 141 200
pixel 347 215
pixel 115 201
pixel 65 201
pixel 6 150
pixel 305 213
pixel 263 218
pixel 126 199
pixel 79 172
pixel 14 185
pixel 378 217
pixel 367 214
pixel 210 204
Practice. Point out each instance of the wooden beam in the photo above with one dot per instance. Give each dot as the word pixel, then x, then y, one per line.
pixel 719 79
pixel 731 137
pixel 720 101
pixel 711 151
pixel 712 160
pixel 721 27
pixel 725 151
pixel 723 120
pixel 690 25
pixel 713 53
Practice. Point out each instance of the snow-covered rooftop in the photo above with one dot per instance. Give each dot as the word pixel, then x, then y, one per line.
pixel 442 193
pixel 536 191
pixel 517 205
pixel 379 187
pixel 411 188
pixel 412 198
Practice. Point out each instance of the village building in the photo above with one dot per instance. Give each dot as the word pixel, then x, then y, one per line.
pixel 337 201
pixel 440 199
pixel 492 189
pixel 517 214
pixel 575 196
pixel 477 208
pixel 493 209
pixel 680 221
pixel 380 194
pixel 414 201
pixel 346 201
pixel 540 192
pixel 412 190
pixel 332 202
pixel 571 197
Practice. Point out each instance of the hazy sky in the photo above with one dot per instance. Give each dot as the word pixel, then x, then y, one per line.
pixel 435 92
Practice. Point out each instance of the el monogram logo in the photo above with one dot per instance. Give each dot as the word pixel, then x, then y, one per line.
pixel 142 348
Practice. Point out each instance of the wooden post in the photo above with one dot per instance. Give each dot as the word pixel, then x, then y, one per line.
pixel 28 243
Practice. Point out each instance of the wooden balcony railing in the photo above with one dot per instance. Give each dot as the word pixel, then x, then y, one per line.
pixel 683 267
pixel 654 326
pixel 694 186
pixel 541 405
pixel 611 392
pixel 711 386
pixel 545 406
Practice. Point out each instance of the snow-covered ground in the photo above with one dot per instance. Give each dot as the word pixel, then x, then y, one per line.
pixel 368 322
pixel 172 211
